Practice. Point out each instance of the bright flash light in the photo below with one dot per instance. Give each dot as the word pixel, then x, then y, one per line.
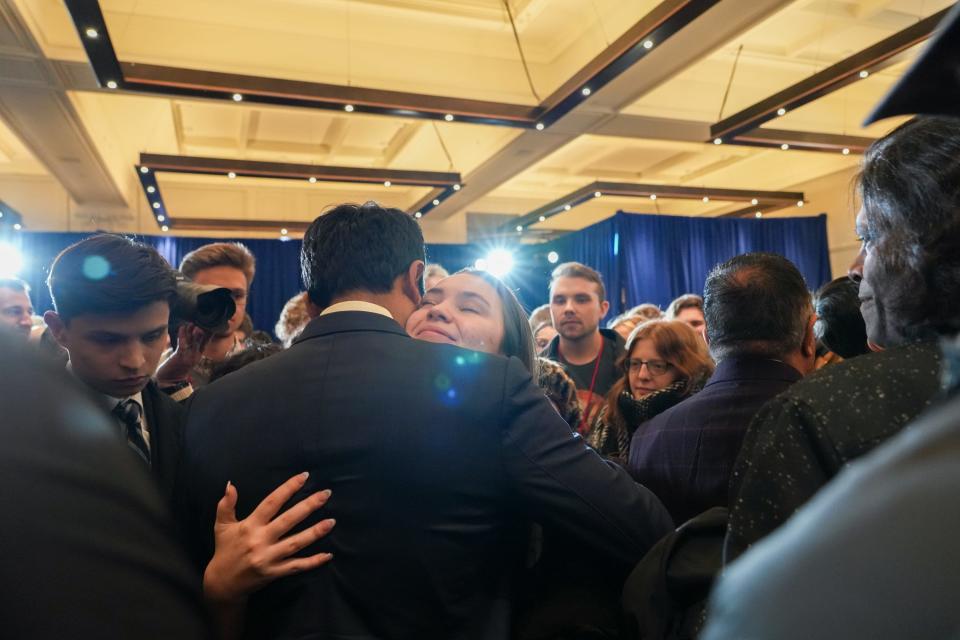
pixel 499 262
pixel 553 257
pixel 11 260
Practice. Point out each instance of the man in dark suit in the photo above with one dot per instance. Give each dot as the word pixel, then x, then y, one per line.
pixel 112 300
pixel 436 456
pixel 88 549
pixel 760 330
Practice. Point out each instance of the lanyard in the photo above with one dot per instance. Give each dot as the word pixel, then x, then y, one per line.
pixel 582 427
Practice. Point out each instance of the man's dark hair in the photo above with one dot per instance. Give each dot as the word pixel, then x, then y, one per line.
pixel 358 248
pixel 578 270
pixel 15 284
pixel 840 327
pixel 910 188
pixel 755 304
pixel 107 274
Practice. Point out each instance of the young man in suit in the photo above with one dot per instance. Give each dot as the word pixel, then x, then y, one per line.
pixel 436 456
pixel 112 299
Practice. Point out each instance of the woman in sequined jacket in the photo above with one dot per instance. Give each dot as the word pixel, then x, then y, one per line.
pixel 666 361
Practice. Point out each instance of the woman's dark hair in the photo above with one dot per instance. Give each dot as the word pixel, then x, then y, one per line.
pixel 517 336
pixel 358 248
pixel 107 274
pixel 840 327
pixel 910 190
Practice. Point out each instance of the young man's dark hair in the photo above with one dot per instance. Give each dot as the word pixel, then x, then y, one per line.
pixel 108 274
pixel 840 326
pixel 112 299
pixel 337 257
pixel 756 303
pixel 911 210
pixel 577 270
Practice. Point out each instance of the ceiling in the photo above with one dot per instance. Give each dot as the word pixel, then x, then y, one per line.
pixel 647 123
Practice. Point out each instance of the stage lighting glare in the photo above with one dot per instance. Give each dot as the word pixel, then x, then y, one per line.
pixel 480 264
pixel 11 260
pixel 553 257
pixel 499 262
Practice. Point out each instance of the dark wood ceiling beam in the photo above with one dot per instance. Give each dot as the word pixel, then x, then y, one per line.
pixel 803 140
pixel 758 199
pixel 228 224
pixel 286 170
pixel 832 78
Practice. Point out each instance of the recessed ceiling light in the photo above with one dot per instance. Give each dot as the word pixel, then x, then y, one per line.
pixel 231 175
pixel 156 205
pixel 283 232
pixel 17 226
pixel 92 33
pixel 456 187
pixel 436 202
pixel 586 91
pixel 864 73
pixel 144 169
pixel 237 97
pixel 717 141
pixel 111 84
pixel 758 214
pixel 597 194
pixel 387 183
pixel 648 44
pixel 566 207
pixel 653 196
pixel 418 215
pixel 542 218
pixel 519 228
pixel 754 201
pixel 165 228
pixel 845 152
pixel 784 146
pixel 448 117
pixel 151 189
pixel 540 126
pixel 348 108
pixel 706 199
pixel 161 218
pixel 800 203
pixel 312 180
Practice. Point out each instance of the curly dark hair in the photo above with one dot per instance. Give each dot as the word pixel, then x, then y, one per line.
pixel 910 189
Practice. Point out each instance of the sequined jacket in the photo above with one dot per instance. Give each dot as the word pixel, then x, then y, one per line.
pixel 802 438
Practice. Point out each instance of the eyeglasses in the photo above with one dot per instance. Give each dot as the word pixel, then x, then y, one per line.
pixel 655 367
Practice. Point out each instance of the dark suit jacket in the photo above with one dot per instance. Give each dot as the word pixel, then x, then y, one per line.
pixel 685 454
pixel 806 435
pixel 165 419
pixel 88 547
pixel 436 457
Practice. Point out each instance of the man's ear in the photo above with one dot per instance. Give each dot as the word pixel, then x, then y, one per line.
pixel 413 281
pixel 604 307
pixel 56 325
pixel 809 346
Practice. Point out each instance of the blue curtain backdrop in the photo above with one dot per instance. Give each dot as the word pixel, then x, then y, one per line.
pixel 643 258
pixel 655 258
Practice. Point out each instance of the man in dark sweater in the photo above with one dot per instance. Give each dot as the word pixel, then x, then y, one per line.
pixel 587 353
pixel 760 329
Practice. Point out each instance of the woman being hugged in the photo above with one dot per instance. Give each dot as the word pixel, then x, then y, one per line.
pixel 666 361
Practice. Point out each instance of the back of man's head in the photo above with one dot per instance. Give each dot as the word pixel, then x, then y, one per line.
pixel 840 327
pixel 756 304
pixel 358 248
pixel 108 274
pixel 911 205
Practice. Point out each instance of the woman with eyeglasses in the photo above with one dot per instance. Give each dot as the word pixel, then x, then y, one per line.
pixel 666 361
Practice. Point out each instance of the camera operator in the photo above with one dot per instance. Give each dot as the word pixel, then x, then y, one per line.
pixel 112 299
pixel 222 264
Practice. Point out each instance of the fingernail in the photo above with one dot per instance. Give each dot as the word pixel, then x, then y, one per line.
pixel 326 494
pixel 305 475
pixel 228 486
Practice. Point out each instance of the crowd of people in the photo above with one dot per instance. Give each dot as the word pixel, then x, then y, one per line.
pixel 416 456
